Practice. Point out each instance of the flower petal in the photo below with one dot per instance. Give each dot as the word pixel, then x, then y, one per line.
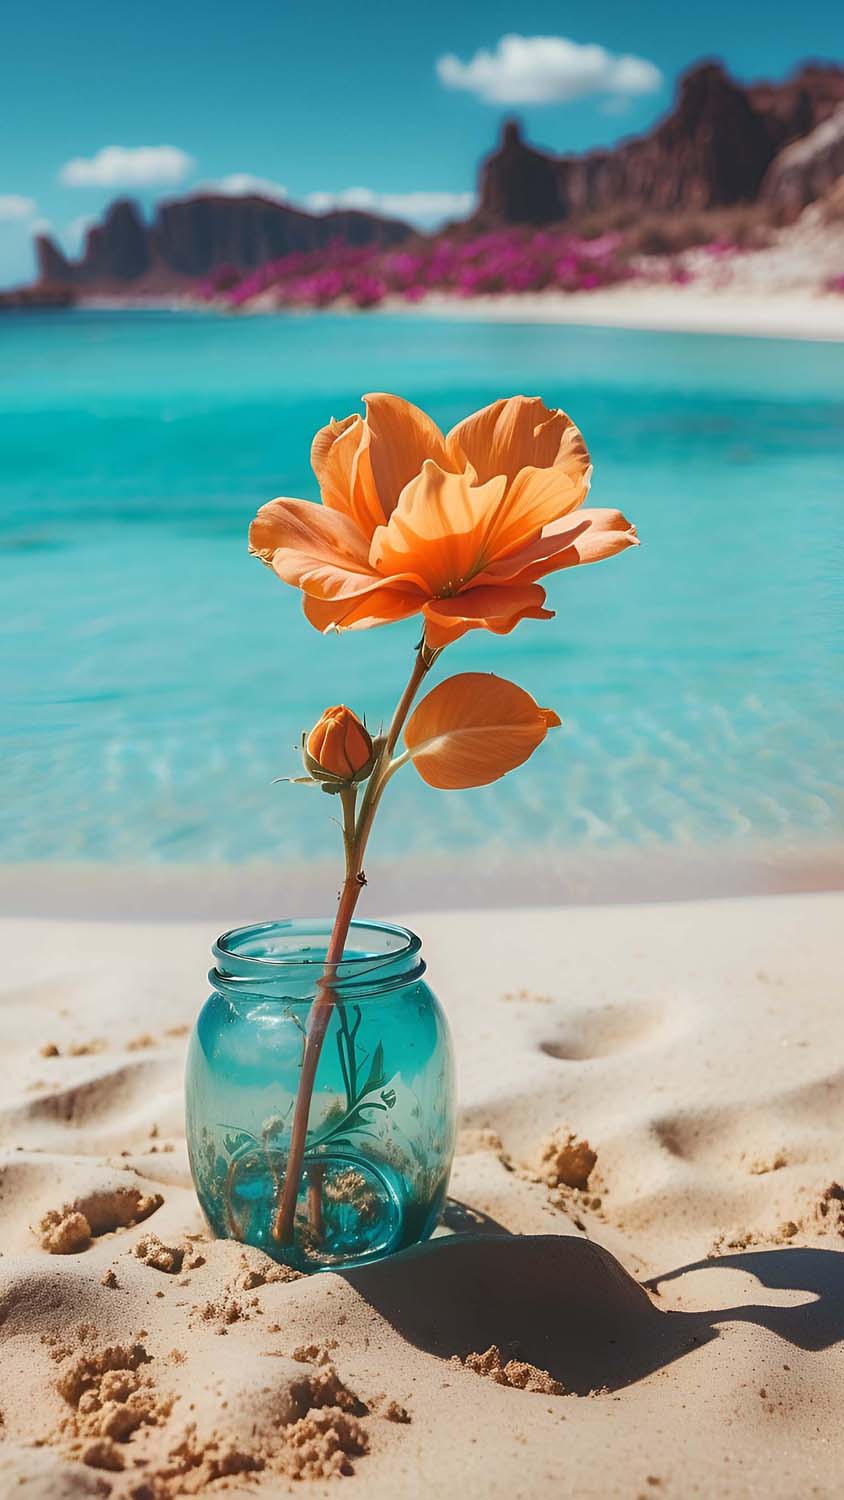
pixel 377 606
pixel 535 498
pixel 473 728
pixel 401 438
pixel 587 536
pixel 518 433
pixel 609 532
pixel 340 460
pixel 437 530
pixel 497 608
pixel 316 549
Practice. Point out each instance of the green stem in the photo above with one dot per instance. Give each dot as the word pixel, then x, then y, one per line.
pixel 355 837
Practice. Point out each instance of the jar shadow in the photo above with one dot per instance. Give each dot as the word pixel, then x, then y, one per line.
pixel 567 1306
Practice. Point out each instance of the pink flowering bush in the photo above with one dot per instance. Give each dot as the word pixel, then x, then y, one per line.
pixel 497 262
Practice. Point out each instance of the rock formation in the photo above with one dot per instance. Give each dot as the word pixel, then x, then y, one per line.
pixel 191 236
pixel 808 169
pixel 713 150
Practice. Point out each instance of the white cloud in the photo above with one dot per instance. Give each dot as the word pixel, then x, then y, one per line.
pixel 128 166
pixel 14 207
pixel 547 70
pixel 41 226
pixel 423 208
pixel 244 185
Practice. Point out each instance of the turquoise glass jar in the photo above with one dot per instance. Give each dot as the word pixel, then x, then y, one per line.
pixel 381 1125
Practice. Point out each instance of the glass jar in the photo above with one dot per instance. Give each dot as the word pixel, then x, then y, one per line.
pixel 381 1126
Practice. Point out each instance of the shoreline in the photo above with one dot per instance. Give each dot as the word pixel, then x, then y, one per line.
pixel 495 879
pixel 804 314
pixel 807 315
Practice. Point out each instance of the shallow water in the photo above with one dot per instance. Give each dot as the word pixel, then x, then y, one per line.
pixel 154 679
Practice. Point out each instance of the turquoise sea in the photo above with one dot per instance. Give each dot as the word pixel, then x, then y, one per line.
pixel 154 679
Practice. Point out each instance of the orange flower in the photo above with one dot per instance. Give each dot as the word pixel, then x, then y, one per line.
pixel 339 744
pixel 457 528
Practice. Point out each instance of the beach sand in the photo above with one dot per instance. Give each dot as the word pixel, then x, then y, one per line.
pixel 766 312
pixel 682 1313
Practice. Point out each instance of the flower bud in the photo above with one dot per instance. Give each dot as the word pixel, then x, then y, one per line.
pixel 339 747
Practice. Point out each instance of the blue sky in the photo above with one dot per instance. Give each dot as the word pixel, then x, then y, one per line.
pixel 320 100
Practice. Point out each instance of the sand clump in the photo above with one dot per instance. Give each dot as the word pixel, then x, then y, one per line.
pixel 318 1443
pixel 140 1043
pixel 516 1373
pixel 765 1165
pixel 64 1232
pixel 171 1259
pixel 229 1306
pixel 830 1207
pixel 191 1465
pixel 392 1411
pixel 70 1229
pixel 75 1049
pixel 110 1396
pixel 826 1216
pixel 258 1270
pixel 313 1354
pixel 223 1311
pixel 158 1256
pixel 322 1444
pixel 323 1387
pixel 565 1161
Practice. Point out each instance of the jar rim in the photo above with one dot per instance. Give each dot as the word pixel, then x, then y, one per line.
pixel 395 961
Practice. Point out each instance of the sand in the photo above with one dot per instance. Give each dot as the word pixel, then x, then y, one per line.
pixel 795 313
pixel 638 1289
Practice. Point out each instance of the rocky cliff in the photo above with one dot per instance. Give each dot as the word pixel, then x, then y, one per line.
pixel 191 236
pixel 716 148
pixel 808 169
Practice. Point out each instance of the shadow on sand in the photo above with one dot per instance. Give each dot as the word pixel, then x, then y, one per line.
pixel 569 1307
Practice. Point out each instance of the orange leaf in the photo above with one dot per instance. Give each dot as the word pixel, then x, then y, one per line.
pixel 474 728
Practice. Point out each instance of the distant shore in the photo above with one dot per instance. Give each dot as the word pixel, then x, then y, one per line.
pixel 806 314
pixel 660 309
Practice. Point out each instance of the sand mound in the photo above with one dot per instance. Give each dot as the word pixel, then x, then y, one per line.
pixel 40 1474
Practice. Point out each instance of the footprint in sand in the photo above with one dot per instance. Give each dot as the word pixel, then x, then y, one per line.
pixel 110 1104
pixel 818 1102
pixel 605 1031
pixel 70 1229
pixel 66 1202
pixel 693 1135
